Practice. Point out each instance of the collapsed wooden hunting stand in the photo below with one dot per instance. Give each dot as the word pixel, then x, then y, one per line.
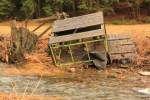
pixel 83 39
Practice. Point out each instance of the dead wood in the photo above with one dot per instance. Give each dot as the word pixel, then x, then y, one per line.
pixel 22 41
pixel 3 49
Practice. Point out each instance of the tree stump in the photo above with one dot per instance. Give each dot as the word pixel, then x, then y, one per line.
pixel 22 41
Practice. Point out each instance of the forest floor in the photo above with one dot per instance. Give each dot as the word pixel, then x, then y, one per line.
pixel 40 64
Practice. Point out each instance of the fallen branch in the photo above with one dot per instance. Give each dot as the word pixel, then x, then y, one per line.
pixel 51 18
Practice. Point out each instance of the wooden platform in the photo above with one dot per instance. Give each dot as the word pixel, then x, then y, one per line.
pixel 121 46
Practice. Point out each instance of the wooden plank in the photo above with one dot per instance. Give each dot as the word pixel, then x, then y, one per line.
pixel 45 19
pixel 121 46
pixel 76 36
pixel 121 42
pixel 78 22
pixel 113 37
pixel 131 56
pixel 121 49
pixel 39 26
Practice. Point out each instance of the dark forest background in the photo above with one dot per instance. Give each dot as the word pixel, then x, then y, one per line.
pixel 31 9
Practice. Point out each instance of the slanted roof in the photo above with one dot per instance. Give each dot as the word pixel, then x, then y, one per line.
pixel 78 22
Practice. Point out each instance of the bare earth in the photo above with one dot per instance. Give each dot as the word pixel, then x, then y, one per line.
pixel 21 97
pixel 6 30
pixel 36 66
pixel 40 64
pixel 132 29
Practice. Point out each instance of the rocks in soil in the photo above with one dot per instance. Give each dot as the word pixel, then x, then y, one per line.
pixel 145 91
pixel 72 70
pixel 144 73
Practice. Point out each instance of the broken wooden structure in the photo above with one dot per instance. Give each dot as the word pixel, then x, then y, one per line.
pixel 83 39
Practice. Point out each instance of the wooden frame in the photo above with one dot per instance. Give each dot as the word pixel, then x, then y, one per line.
pixel 74 39
pixel 85 43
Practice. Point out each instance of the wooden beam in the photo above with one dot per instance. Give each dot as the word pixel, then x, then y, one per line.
pixel 39 27
pixel 76 36
pixel 45 32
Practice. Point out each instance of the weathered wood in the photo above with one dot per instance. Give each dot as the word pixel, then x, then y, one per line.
pixel 22 41
pixel 76 36
pixel 114 37
pixel 122 49
pixel 3 49
pixel 39 26
pixel 131 56
pixel 78 22
pixel 45 19
pixel 44 32
pixel 121 46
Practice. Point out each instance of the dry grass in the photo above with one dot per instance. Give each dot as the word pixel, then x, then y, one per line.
pixel 32 69
pixel 36 63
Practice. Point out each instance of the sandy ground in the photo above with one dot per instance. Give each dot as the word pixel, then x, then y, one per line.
pixel 22 97
pixel 31 69
pixel 6 30
pixel 131 29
